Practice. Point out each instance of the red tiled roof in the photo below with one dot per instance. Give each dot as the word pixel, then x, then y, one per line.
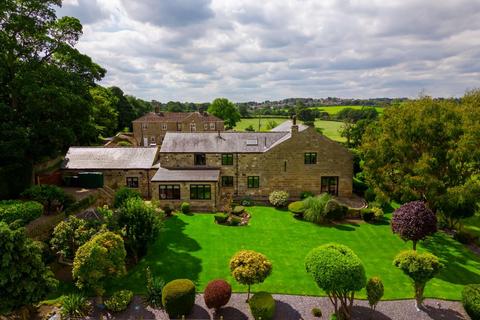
pixel 174 117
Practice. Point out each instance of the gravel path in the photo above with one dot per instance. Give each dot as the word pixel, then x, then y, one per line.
pixel 299 307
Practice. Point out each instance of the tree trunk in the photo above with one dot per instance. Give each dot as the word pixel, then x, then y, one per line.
pixel 248 293
pixel 418 296
pixel 415 245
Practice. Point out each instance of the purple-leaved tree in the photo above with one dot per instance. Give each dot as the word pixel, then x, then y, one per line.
pixel 414 221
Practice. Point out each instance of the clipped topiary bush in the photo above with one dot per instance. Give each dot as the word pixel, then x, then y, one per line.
pixel 26 211
pixel 317 312
pixel 221 217
pixel 178 297
pixel 123 194
pixel 185 207
pixel 238 210
pixel 262 306
pixel 375 291
pixel 217 294
pixel 278 199
pixel 335 211
pixel 119 301
pixel 296 208
pixel 471 300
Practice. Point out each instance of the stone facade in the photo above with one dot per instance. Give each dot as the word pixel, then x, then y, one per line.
pixel 151 128
pixel 118 178
pixel 280 168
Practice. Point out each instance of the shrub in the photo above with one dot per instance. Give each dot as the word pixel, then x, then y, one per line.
pixel 367 214
pixel 359 187
pixel 235 221
pixel 420 267
pixel 167 210
pixel 75 306
pixel 238 210
pixel 262 306
pixel 69 235
pixel 26 211
pixel 374 291
pixel 119 301
pixel 178 297
pixel 296 208
pixel 335 211
pixel 317 312
pixel 278 199
pixel 370 195
pixel 315 208
pixel 100 258
pixel 354 213
pixel 185 207
pixel 217 294
pixel 464 237
pixel 471 300
pixel 378 214
pixel 49 196
pixel 154 289
pixel 414 221
pixel 249 267
pixel 306 194
pixel 339 272
pixel 123 194
pixel 221 217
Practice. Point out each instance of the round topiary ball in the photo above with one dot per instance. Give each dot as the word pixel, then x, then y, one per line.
pixel 178 297
pixel 471 300
pixel 262 306
pixel 217 294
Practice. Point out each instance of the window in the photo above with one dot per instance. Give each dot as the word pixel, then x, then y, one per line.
pixel 200 159
pixel 169 191
pixel 227 181
pixel 253 181
pixel 193 126
pixel 152 139
pixel 200 192
pixel 179 127
pixel 212 125
pixel 164 126
pixel 132 182
pixel 227 159
pixel 144 126
pixel 330 185
pixel 310 158
pixel 205 126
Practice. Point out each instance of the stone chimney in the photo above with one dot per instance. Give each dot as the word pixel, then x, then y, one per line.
pixel 294 129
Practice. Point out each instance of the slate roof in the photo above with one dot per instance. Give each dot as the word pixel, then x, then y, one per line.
pixel 99 158
pixel 170 175
pixel 224 142
pixel 287 126
pixel 174 117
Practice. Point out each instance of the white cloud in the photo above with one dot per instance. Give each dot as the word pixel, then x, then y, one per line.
pixel 249 50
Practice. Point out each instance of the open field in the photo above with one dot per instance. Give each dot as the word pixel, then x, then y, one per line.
pixel 330 128
pixel 194 247
pixel 332 110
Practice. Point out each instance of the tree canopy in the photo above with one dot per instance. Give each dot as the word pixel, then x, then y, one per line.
pixel 225 110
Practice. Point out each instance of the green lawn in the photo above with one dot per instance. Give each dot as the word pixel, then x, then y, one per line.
pixel 194 247
pixel 332 110
pixel 472 225
pixel 330 128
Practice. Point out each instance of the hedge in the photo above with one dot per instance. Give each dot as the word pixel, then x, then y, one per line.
pixel 26 211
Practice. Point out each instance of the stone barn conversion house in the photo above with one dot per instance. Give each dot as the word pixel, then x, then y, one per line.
pixel 203 168
pixel 150 129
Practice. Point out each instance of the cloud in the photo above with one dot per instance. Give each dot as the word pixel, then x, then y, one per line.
pixel 247 50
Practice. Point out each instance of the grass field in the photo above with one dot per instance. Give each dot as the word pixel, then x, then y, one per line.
pixel 332 110
pixel 194 247
pixel 330 128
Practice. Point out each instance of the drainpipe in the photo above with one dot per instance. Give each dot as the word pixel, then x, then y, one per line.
pixel 148 185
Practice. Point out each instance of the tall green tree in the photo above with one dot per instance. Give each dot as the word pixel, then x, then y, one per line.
pixel 225 110
pixel 45 105
pixel 104 112
pixel 423 148
pixel 125 111
pixel 24 277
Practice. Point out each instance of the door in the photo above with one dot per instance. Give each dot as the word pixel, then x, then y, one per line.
pixel 145 142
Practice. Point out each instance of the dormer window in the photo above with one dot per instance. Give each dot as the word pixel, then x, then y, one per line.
pixel 164 126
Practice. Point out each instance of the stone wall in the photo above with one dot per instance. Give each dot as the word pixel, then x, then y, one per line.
pixel 196 205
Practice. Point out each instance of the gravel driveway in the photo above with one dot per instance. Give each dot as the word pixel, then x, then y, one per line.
pixel 299 307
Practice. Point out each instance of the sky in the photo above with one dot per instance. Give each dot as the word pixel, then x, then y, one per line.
pixel 251 50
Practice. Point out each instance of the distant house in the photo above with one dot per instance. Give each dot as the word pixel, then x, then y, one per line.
pixel 151 128
pixel 203 168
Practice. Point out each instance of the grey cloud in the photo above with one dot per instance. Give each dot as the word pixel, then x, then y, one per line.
pixel 87 11
pixel 169 13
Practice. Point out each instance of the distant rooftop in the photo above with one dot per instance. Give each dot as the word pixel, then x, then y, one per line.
pixel 174 117
pixel 178 175
pixel 224 142
pixel 98 158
